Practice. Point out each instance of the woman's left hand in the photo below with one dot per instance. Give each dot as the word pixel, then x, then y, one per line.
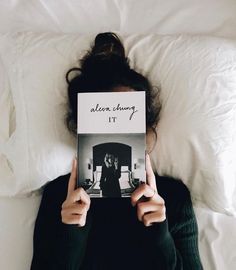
pixel 152 209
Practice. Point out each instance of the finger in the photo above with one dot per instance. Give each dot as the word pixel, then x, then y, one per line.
pixel 75 219
pixel 147 207
pixel 79 195
pixel 142 190
pixel 73 177
pixel 77 208
pixel 155 217
pixel 146 191
pixel 151 179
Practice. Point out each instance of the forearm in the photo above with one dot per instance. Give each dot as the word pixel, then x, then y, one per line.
pixel 180 249
pixel 164 254
pixel 117 173
pixel 60 247
pixel 57 246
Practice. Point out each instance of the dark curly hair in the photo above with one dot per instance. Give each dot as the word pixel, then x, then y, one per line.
pixel 104 68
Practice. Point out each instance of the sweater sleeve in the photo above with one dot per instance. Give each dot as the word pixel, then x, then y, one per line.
pixel 57 246
pixel 177 250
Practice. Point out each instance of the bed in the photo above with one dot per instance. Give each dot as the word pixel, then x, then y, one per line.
pixel 20 197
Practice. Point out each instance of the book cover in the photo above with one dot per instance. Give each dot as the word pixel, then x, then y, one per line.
pixel 111 142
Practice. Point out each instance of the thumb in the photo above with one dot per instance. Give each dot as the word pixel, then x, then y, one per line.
pixel 151 179
pixel 73 178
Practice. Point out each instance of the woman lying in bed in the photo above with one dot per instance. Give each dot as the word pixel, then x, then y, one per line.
pixel 155 229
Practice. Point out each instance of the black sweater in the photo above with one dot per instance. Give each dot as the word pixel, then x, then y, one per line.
pixel 113 238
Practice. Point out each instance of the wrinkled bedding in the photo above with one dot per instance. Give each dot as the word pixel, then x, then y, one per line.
pixel 217 232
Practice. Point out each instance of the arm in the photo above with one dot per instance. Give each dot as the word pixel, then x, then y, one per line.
pixel 57 245
pixel 103 176
pixel 179 250
pixel 117 171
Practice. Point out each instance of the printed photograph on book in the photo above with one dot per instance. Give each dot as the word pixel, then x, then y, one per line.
pixel 111 165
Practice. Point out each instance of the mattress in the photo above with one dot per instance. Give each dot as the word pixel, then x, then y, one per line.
pixel 217 232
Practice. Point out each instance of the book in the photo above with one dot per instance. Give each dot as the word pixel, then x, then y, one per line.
pixel 111 142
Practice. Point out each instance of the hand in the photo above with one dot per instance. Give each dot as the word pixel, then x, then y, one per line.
pixel 116 163
pixel 106 160
pixel 153 209
pixel 75 207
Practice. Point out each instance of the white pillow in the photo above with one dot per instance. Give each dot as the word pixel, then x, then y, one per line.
pixel 7 111
pixel 197 130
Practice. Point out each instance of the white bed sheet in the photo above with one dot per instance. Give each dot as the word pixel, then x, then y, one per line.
pixel 217 232
pixel 217 235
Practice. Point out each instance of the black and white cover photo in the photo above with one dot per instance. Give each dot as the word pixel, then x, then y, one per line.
pixel 111 143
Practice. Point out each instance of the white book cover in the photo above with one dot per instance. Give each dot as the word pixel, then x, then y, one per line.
pixel 111 142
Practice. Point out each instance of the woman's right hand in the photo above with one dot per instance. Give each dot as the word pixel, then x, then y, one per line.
pixel 77 203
